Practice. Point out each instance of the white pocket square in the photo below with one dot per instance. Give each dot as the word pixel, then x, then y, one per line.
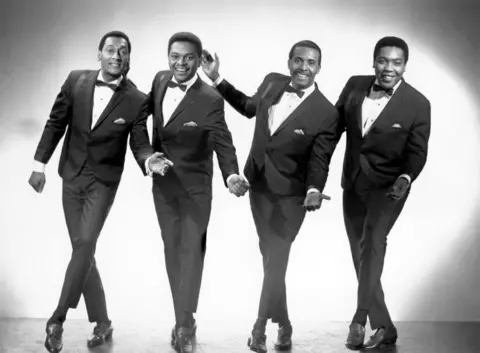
pixel 397 126
pixel 299 132
pixel 191 124
pixel 119 121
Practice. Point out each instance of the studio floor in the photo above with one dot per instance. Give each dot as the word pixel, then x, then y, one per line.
pixel 27 335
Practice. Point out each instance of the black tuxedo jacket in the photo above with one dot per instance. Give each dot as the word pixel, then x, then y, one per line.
pixel 196 128
pixel 397 142
pixel 290 162
pixel 103 146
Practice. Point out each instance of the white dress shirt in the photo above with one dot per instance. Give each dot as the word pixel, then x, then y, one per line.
pixel 285 106
pixel 372 107
pixel 101 97
pixel 173 97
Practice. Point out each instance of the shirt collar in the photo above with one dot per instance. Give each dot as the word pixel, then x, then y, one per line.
pixel 307 91
pixel 394 87
pixel 188 83
pixel 115 82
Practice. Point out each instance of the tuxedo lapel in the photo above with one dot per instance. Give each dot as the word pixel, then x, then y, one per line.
pixel 159 95
pixel 85 99
pixel 359 96
pixel 186 101
pixel 270 97
pixel 114 101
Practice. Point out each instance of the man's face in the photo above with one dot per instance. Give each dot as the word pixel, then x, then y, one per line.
pixel 113 57
pixel 304 66
pixel 389 66
pixel 183 60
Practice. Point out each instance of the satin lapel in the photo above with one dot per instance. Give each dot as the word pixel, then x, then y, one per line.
pixel 358 98
pixel 299 110
pixel 85 99
pixel 114 101
pixel 391 107
pixel 276 91
pixel 159 95
pixel 187 100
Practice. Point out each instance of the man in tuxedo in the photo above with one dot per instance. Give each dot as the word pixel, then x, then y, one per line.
pixel 99 111
pixel 287 169
pixel 188 126
pixel 388 127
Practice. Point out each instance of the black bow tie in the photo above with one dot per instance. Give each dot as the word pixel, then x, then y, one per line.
pixel 105 84
pixel 172 84
pixel 377 88
pixel 290 89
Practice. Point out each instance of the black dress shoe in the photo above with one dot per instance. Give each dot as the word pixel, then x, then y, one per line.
pixel 183 339
pixel 284 338
pixel 382 338
pixel 356 336
pixel 101 333
pixel 53 341
pixel 257 342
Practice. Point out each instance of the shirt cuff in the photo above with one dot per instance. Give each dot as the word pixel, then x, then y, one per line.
pixel 312 190
pixel 147 168
pixel 38 167
pixel 406 176
pixel 217 81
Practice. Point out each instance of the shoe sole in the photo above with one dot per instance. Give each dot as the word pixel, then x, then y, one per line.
pixel 386 344
pixel 354 348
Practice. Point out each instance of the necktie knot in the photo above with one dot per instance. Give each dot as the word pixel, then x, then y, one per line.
pixel 172 84
pixel 377 88
pixel 290 89
pixel 112 86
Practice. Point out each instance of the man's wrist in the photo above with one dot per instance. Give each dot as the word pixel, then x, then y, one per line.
pixel 38 167
pixel 216 81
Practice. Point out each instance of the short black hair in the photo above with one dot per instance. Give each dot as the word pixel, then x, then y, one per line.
pixel 119 34
pixel 186 37
pixel 391 42
pixel 308 44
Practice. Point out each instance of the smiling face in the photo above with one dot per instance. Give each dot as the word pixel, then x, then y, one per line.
pixel 183 60
pixel 113 58
pixel 304 66
pixel 389 66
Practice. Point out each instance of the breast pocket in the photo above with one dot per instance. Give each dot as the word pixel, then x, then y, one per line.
pixel 299 141
pixel 191 135
pixel 393 139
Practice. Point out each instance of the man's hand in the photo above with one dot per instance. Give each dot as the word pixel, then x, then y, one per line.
pixel 399 189
pixel 313 200
pixel 210 65
pixel 37 181
pixel 159 164
pixel 238 185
